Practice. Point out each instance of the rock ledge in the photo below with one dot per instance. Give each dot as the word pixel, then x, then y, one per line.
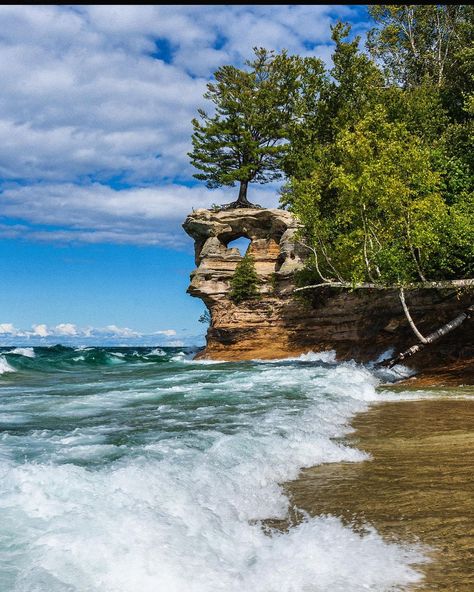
pixel 360 324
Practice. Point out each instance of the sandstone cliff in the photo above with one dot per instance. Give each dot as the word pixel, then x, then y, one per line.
pixel 360 324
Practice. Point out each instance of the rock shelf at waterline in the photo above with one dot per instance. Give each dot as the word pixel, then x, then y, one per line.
pixel 361 324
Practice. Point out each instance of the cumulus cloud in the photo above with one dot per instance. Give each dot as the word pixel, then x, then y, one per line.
pixel 98 213
pixel 69 333
pixel 96 106
pixel 118 331
pixel 40 331
pixel 65 329
pixel 8 328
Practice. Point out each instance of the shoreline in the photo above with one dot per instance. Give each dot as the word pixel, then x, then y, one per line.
pixel 417 488
pixel 454 374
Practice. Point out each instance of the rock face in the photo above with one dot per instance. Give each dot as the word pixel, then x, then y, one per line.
pixel 361 324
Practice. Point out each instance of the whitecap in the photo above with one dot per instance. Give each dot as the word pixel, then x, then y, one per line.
pixel 327 357
pixel 182 514
pixel 28 352
pixel 5 366
pixel 156 352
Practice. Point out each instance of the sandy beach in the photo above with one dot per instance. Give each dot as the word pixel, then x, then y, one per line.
pixel 418 487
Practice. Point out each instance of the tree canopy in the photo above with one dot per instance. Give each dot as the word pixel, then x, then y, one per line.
pixel 376 149
pixel 384 188
pixel 244 283
pixel 246 138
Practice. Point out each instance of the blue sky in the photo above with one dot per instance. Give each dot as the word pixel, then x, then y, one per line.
pixel 95 182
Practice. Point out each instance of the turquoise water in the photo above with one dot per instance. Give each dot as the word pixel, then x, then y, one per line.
pixel 140 470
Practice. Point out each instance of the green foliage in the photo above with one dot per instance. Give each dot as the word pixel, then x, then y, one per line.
pixel 377 150
pixel 385 204
pixel 417 43
pixel 205 317
pixel 245 139
pixel 274 282
pixel 385 188
pixel 244 282
pixel 330 101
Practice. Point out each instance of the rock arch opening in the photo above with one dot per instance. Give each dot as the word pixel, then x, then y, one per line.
pixel 242 244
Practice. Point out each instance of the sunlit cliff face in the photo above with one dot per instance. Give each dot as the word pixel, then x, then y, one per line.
pixel 268 234
pixel 359 324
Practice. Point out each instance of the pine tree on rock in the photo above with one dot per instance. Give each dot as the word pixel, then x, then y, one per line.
pixel 244 282
pixel 246 139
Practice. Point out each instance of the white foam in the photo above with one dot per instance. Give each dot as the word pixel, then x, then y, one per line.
pixel 115 358
pixel 328 357
pixel 398 372
pixel 145 528
pixel 5 366
pixel 156 352
pixel 179 514
pixel 188 358
pixel 28 352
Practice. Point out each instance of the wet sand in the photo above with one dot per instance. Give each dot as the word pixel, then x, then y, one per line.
pixel 418 487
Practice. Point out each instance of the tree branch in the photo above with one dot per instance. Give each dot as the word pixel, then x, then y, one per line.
pixel 413 286
pixel 316 259
pixel 414 328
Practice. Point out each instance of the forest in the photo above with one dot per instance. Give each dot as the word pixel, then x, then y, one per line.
pixel 374 151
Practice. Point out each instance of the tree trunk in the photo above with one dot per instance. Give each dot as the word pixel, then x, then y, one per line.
pixel 414 328
pixel 432 337
pixel 241 201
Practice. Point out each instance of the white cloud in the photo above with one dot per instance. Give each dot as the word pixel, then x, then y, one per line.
pixel 70 331
pixel 40 330
pixel 71 334
pixel 167 332
pixel 65 329
pixel 8 328
pixel 86 104
pixel 98 213
pixel 118 331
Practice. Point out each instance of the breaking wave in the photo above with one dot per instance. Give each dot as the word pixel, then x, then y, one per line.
pixel 146 476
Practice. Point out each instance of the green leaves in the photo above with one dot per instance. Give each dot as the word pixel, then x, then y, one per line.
pixel 420 43
pixel 384 189
pixel 377 150
pixel 247 138
pixel 244 282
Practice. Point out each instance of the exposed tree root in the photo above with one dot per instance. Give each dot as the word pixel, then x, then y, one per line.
pixel 413 286
pixel 423 341
pixel 240 204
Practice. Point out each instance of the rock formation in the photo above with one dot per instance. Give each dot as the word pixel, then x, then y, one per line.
pixel 358 324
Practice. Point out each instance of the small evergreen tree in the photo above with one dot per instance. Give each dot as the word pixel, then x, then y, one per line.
pixel 205 317
pixel 244 282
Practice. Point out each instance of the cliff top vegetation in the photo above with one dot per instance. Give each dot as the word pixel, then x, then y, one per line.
pixel 376 150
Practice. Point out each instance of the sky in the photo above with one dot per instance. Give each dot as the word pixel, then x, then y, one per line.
pixel 95 181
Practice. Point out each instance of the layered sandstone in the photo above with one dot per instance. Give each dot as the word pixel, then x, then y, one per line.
pixel 360 324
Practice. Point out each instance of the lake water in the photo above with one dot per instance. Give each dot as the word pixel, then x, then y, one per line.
pixel 141 470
